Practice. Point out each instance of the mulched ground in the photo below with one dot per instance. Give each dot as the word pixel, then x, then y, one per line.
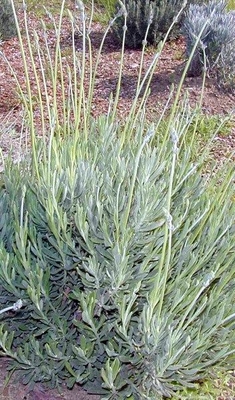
pixel 13 139
pixel 167 73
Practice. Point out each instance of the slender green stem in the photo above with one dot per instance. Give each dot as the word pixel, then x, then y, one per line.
pixel 142 57
pixel 81 107
pixel 134 113
pixel 182 79
pixel 159 286
pixel 29 107
pixel 118 87
pixel 98 58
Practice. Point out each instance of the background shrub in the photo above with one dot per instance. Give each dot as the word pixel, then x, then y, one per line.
pixel 158 15
pixel 217 42
pixel 225 66
pixel 7 21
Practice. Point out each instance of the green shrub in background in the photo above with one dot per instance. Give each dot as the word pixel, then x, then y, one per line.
pixel 7 21
pixel 216 48
pixel 152 16
pixel 225 66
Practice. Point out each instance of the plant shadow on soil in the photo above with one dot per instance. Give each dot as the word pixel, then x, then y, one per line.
pixel 15 390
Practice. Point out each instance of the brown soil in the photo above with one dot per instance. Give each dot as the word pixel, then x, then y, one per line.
pixel 13 138
pixel 168 73
pixel 17 391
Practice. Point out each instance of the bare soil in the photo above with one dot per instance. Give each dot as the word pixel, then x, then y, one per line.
pixel 14 141
pixel 17 391
pixel 166 75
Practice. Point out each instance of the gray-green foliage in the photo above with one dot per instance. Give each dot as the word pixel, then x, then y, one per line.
pixel 153 17
pixel 7 21
pixel 216 47
pixel 225 67
pixel 123 256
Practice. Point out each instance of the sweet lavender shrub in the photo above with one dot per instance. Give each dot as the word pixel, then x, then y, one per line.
pixel 117 247
pixel 154 16
pixel 216 47
pixel 226 62
pixel 124 262
pixel 7 21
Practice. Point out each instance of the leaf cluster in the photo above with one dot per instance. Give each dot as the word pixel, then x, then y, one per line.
pixel 148 21
pixel 124 258
pixel 7 20
pixel 215 50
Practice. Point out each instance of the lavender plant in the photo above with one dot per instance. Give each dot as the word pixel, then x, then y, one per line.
pixel 226 67
pixel 124 262
pixel 7 20
pixel 153 17
pixel 216 47
pixel 119 248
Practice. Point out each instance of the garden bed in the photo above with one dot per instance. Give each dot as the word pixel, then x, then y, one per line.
pixel 14 138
